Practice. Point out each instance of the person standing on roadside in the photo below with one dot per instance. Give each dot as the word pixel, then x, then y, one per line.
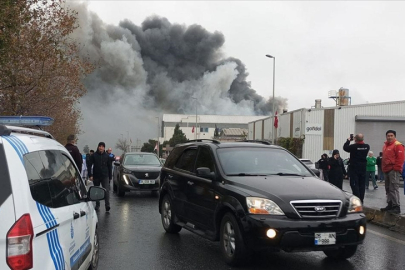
pixel 74 151
pixel 357 168
pixel 380 172
pixel 323 167
pixel 88 165
pixel 370 170
pixel 336 169
pixel 392 164
pixel 101 172
pixel 112 157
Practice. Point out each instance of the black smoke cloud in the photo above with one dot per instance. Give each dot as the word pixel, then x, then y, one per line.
pixel 155 68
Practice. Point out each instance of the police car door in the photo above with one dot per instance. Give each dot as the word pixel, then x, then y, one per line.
pixel 54 186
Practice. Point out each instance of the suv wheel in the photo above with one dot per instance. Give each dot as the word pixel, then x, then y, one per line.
pixel 95 256
pixel 232 245
pixel 342 252
pixel 167 216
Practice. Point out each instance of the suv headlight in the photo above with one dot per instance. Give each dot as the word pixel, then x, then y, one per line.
pixel 355 205
pixel 262 206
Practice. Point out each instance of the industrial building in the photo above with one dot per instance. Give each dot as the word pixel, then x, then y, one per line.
pixel 203 126
pixel 326 129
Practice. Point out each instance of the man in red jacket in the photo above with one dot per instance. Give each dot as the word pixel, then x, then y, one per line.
pixel 392 162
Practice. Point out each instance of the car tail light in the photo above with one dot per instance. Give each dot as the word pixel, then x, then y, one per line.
pixel 19 244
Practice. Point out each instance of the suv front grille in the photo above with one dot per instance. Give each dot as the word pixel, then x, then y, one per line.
pixel 146 175
pixel 317 208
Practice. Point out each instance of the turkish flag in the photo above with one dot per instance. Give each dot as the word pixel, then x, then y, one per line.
pixel 276 121
pixel 192 131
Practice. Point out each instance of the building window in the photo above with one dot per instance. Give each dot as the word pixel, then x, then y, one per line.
pixel 203 129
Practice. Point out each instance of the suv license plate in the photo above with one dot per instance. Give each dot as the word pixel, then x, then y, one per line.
pixel 328 238
pixel 146 182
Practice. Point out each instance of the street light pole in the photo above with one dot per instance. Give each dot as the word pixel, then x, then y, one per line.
pixel 274 80
pixel 157 149
pixel 195 134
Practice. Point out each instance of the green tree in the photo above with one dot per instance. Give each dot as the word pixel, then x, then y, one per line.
pixel 178 136
pixel 149 146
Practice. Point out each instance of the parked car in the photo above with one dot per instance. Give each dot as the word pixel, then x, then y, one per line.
pixel 47 216
pixel 311 166
pixel 137 171
pixel 252 196
pixel 162 160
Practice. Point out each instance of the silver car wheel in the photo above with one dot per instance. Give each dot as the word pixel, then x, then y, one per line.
pixel 229 239
pixel 167 213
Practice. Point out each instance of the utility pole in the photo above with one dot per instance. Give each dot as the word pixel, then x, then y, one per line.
pixel 157 150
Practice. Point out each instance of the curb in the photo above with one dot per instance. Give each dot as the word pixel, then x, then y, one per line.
pixel 391 221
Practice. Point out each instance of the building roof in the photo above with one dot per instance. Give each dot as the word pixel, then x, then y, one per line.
pixel 214 119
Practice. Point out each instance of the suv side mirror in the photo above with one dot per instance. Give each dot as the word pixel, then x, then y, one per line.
pixel 96 193
pixel 116 163
pixel 205 173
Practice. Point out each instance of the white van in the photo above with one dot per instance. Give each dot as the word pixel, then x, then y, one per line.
pixel 47 217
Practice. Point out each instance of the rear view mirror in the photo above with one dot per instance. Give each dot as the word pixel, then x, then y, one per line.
pixel 116 163
pixel 205 173
pixel 95 193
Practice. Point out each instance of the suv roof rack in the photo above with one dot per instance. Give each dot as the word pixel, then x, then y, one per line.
pixel 256 141
pixel 6 131
pixel 201 140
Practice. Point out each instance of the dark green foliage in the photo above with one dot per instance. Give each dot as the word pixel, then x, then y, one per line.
pixel 294 145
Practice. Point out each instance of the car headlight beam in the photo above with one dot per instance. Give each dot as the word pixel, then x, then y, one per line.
pixel 355 205
pixel 262 206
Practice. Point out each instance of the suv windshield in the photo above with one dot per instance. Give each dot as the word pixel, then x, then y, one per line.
pixel 140 159
pixel 259 161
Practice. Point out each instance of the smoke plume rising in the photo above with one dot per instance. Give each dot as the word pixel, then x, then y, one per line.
pixel 158 67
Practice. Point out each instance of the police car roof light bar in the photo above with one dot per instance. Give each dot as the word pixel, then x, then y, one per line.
pixel 26 120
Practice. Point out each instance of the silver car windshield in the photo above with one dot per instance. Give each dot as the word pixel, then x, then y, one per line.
pixel 260 161
pixel 140 159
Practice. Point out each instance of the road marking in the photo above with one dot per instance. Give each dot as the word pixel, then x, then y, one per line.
pixel 387 237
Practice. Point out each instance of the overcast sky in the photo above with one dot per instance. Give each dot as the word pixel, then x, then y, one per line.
pixel 319 46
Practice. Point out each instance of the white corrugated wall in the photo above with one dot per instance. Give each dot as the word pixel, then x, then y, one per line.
pixel 313 144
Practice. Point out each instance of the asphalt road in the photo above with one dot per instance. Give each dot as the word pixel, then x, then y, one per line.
pixel 132 237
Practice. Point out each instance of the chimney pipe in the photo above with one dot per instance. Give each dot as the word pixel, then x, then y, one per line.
pixel 318 103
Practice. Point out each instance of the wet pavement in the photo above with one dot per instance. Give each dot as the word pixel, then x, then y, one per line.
pixel 132 237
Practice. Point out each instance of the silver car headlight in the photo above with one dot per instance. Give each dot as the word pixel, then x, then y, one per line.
pixel 262 206
pixel 355 205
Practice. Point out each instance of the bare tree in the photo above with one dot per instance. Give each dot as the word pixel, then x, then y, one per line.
pixel 123 145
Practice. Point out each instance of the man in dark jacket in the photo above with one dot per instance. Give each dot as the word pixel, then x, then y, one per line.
pixel 102 170
pixel 74 151
pixel 357 168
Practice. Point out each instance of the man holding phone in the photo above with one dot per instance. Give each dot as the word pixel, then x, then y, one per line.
pixel 358 161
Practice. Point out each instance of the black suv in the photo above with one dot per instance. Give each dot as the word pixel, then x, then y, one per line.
pixel 252 196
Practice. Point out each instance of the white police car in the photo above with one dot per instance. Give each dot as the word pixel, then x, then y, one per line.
pixel 47 217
